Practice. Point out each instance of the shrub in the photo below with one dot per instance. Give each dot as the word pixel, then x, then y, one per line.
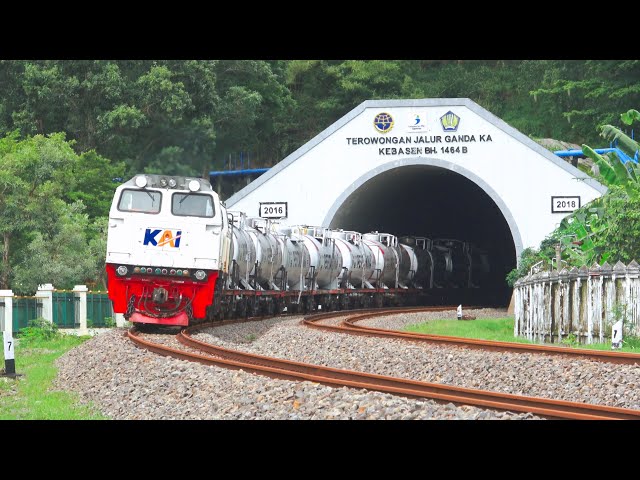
pixel 39 328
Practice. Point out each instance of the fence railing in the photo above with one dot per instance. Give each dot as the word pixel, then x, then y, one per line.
pixel 99 309
pixel 25 309
pixel 65 309
pixel 78 309
pixel 581 302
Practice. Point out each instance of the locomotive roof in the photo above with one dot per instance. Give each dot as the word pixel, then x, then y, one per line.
pixel 155 180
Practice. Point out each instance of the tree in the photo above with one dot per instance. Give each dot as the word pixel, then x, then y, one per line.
pixel 32 175
pixel 591 92
pixel 93 180
pixel 63 256
pixel 47 234
pixel 168 115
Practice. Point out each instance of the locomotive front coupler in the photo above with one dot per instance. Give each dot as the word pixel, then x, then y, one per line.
pixel 160 295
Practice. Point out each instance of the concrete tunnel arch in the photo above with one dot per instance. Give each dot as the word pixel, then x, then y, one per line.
pixel 437 199
pixel 434 162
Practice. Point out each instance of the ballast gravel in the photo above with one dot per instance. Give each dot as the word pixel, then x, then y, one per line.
pixel 128 383
pixel 125 382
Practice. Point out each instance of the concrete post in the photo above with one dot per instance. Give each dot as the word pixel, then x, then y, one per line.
pixel 45 292
pixel 119 319
pixel 6 311
pixel 80 291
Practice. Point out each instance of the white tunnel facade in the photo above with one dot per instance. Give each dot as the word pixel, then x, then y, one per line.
pixel 454 136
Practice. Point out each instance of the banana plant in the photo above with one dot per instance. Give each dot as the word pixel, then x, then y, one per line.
pixel 613 170
pixel 578 233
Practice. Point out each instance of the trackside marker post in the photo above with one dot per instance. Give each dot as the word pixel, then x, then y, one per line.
pixel 6 318
pixel 616 335
pixel 9 355
pixel 459 312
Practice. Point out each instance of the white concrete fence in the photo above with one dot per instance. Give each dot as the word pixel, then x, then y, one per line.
pixel 45 294
pixel 582 302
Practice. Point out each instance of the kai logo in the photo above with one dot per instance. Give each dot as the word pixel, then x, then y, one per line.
pixel 168 237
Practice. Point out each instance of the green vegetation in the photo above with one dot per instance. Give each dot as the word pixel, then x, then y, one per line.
pixel 108 322
pixel 606 229
pixel 29 397
pixel 498 329
pixel 501 330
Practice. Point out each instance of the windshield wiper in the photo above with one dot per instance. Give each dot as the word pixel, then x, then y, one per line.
pixel 184 198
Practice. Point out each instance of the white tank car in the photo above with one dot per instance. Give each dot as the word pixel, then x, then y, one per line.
pixel 243 253
pixel 421 247
pixel 296 260
pixel 386 258
pixel 325 256
pixel 408 265
pixel 357 258
pixel 268 251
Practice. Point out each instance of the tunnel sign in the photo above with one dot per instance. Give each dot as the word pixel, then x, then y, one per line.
pixel 273 210
pixel 564 204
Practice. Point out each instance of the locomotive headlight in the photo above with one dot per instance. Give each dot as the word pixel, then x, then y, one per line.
pixel 141 181
pixel 200 275
pixel 194 185
pixel 163 182
pixel 122 270
pixel 172 182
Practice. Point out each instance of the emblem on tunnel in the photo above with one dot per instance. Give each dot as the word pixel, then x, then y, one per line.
pixel 383 122
pixel 450 121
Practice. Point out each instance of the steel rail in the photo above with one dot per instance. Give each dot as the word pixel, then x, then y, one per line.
pixel 349 325
pixel 291 370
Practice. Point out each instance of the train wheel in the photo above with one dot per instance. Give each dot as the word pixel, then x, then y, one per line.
pixel 254 308
pixel 241 308
pixel 366 301
pixel 278 306
pixel 377 301
pixel 271 308
pixel 308 305
pixel 342 302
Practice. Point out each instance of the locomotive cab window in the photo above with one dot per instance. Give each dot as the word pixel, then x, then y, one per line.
pixel 144 201
pixel 192 205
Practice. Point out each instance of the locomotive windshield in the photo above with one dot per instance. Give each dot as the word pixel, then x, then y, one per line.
pixel 145 201
pixel 192 204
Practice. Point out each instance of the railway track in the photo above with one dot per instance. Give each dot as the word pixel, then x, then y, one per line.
pixel 290 370
pixel 350 325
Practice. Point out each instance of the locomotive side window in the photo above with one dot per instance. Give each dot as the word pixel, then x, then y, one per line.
pixel 192 205
pixel 144 201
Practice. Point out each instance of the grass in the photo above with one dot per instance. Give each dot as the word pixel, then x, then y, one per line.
pixel 498 329
pixel 29 397
pixel 501 329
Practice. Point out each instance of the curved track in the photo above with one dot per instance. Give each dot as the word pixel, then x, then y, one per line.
pixel 289 370
pixel 349 325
